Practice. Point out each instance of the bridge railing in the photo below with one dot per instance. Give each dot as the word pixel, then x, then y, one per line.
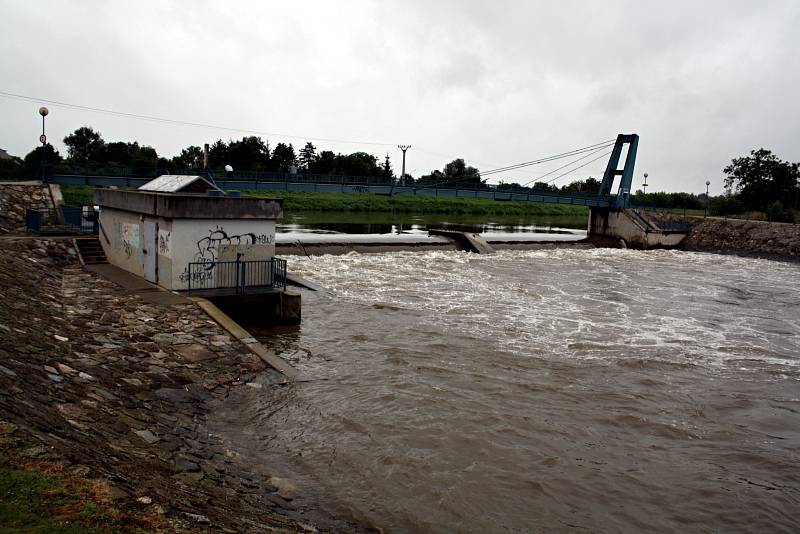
pixel 239 276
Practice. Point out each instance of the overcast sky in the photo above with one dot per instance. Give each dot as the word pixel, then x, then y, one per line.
pixel 496 83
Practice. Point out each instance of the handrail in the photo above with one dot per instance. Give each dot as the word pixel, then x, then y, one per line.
pixel 237 275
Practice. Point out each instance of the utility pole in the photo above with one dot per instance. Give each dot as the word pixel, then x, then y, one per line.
pixel 403 174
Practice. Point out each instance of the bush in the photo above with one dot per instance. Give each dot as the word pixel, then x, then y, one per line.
pixel 776 213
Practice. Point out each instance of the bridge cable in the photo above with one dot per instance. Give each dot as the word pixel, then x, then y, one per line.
pixel 581 166
pixel 593 149
pixel 590 154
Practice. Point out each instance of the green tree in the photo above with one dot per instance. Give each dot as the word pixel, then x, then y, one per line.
pixel 434 177
pixel 762 179
pixel 37 158
pixel 190 157
pixel 460 175
pixel 357 164
pixel 588 186
pixel 283 157
pixel 325 163
pixel 10 168
pixel 218 155
pixel 249 154
pixel 120 153
pixel 308 155
pixel 386 168
pixel 85 145
pixel 544 187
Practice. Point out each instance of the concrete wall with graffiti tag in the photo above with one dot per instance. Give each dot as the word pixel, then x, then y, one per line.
pixel 121 237
pixel 179 242
pixel 213 240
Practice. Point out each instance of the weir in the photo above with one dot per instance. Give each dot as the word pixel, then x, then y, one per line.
pixel 618 221
pixel 610 214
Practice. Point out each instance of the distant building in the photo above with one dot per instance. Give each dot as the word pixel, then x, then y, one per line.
pixel 5 155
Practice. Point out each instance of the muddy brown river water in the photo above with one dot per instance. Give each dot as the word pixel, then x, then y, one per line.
pixel 539 391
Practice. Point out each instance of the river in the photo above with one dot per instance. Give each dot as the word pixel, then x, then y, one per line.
pixel 536 391
pixel 314 222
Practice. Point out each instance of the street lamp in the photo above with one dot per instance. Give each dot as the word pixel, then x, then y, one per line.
pixel 708 182
pixel 43 111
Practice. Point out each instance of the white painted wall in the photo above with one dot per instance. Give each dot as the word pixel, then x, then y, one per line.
pixel 121 237
pixel 181 241
pixel 204 240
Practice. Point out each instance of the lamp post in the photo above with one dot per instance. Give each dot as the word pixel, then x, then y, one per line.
pixel 43 111
pixel 708 183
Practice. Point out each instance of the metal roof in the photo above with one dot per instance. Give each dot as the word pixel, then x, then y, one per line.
pixel 176 183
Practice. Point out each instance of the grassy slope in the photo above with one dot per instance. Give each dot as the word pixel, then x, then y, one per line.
pixel 359 202
pixel 78 195
pixel 32 501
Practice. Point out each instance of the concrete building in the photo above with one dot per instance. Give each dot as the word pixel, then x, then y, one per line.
pixel 176 240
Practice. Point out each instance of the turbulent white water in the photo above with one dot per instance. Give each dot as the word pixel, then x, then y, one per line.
pixel 602 303
pixel 600 390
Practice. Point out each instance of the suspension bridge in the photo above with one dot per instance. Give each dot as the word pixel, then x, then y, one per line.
pixel 606 197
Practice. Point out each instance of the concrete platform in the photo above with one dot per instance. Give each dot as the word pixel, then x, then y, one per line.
pixel 150 293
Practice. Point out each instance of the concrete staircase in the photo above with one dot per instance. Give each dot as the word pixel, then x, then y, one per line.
pixel 90 250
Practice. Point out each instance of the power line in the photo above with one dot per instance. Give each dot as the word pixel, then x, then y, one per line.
pixel 590 148
pixel 163 120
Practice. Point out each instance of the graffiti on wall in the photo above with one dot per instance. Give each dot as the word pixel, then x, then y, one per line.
pixel 209 248
pixel 164 238
pixel 129 238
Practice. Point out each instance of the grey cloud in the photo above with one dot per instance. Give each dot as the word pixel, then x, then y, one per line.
pixel 494 82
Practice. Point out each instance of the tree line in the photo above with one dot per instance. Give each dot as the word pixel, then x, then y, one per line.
pixel 759 182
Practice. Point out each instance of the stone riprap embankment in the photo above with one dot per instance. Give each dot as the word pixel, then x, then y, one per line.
pixel 15 197
pixel 779 241
pixel 119 389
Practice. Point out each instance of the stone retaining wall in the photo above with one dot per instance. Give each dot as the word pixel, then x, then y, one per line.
pixel 780 241
pixel 120 389
pixel 16 196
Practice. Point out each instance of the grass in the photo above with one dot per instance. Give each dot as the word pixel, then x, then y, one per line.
pixel 43 498
pixel 35 502
pixel 360 202
pixel 78 195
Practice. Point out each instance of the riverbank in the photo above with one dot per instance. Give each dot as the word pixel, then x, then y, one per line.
pixel 98 381
pixel 760 239
pixel 365 203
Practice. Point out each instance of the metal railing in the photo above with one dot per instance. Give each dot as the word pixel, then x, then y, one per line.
pixel 240 276
pixel 65 219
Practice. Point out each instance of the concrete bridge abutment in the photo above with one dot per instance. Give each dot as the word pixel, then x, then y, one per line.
pixel 632 228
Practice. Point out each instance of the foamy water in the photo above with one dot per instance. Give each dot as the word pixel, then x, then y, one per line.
pixel 599 390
